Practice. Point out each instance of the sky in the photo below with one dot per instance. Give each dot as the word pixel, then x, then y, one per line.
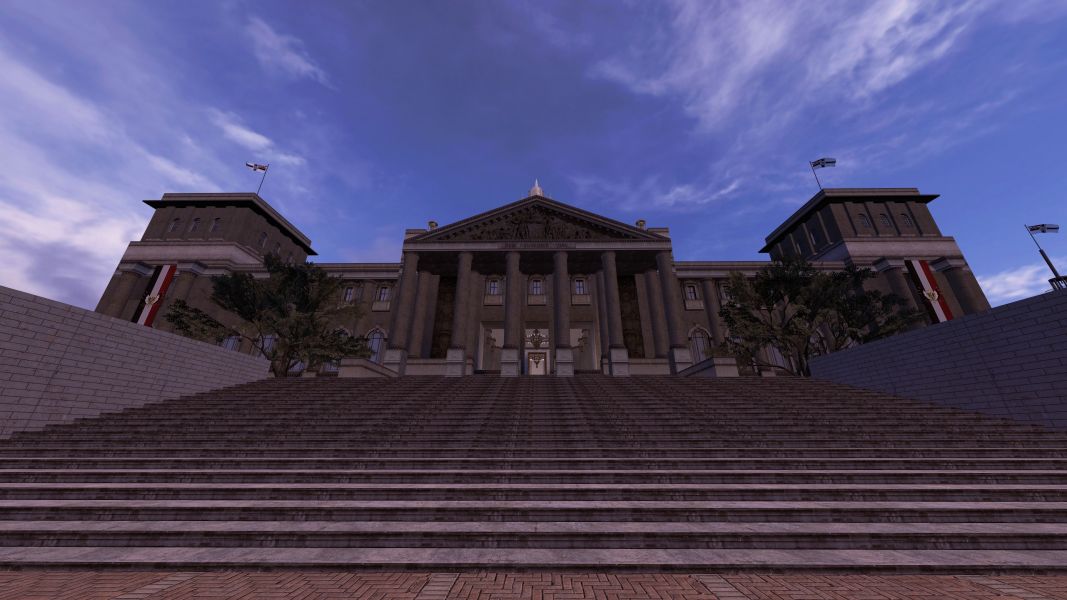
pixel 697 115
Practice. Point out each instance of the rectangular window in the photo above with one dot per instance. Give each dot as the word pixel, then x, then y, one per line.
pixel 383 293
pixel 691 292
pixel 232 342
pixel 350 293
pixel 579 287
pixel 493 288
pixel 536 288
pixel 268 343
pixel 215 224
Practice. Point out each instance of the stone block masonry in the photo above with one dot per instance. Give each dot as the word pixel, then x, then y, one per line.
pixel 1010 361
pixel 59 363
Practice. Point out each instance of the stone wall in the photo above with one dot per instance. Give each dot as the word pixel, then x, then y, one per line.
pixel 1009 361
pixel 60 362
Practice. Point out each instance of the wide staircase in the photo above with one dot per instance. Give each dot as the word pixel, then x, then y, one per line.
pixel 589 472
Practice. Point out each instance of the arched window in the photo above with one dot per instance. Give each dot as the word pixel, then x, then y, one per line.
pixel 492 287
pixel 216 223
pixel 884 220
pixel 278 249
pixel 194 225
pixel 699 344
pixel 865 221
pixel 383 294
pixel 376 345
pixel 579 286
pixel 262 239
pixel 691 292
pixel 537 286
pixel 174 224
pixel 906 219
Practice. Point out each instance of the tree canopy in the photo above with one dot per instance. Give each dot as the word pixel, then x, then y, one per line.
pixel 804 312
pixel 293 316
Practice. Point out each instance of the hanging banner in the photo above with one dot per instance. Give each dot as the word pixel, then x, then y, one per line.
pixel 157 289
pixel 924 280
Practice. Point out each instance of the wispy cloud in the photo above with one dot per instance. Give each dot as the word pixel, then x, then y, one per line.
pixel 651 193
pixel 765 61
pixel 232 129
pixel 65 212
pixel 284 54
pixel 1017 283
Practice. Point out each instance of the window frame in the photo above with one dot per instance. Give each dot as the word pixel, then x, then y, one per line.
pixel 578 287
pixel 536 286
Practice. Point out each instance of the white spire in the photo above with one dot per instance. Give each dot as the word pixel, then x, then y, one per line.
pixel 536 189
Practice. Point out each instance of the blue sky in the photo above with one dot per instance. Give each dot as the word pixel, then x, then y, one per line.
pixel 377 116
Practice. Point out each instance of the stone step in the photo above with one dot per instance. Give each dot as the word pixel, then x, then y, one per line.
pixel 535 492
pixel 725 464
pixel 534 476
pixel 494 511
pixel 955 562
pixel 392 534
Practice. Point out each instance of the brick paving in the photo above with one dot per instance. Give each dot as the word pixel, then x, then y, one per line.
pixel 335 585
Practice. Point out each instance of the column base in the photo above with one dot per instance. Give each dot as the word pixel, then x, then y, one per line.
pixel 455 362
pixel 396 359
pixel 564 362
pixel 680 359
pixel 509 363
pixel 620 362
pixel 605 365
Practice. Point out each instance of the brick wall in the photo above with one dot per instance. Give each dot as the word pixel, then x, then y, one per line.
pixel 1009 361
pixel 60 362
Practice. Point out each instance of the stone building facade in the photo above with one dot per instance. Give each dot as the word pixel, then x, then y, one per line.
pixel 537 286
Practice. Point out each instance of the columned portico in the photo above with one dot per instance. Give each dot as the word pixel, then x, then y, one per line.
pixel 456 359
pixel 513 327
pixel 396 356
pixel 679 352
pixel 618 356
pixel 561 313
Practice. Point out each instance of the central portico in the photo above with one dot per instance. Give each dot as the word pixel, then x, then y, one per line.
pixel 536 287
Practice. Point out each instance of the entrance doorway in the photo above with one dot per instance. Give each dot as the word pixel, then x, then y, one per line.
pixel 536 363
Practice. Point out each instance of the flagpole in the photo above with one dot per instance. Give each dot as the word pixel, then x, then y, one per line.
pixel 817 182
pixel 1041 251
pixel 262 179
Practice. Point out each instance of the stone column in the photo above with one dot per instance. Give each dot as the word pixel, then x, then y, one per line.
pixel 712 307
pixel 511 355
pixel 396 356
pixel 423 316
pixel 456 356
pixel 618 355
pixel 561 309
pixel 603 343
pixel 893 272
pixel 119 295
pixel 672 302
pixel 963 284
pixel 655 313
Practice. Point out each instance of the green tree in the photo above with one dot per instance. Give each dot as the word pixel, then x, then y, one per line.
pixel 292 316
pixel 805 312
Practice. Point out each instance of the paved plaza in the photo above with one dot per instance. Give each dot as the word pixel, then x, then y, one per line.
pixel 333 585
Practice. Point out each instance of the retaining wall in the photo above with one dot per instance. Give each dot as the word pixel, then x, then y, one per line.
pixel 60 362
pixel 1009 361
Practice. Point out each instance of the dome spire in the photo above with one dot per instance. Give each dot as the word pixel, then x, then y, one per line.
pixel 536 189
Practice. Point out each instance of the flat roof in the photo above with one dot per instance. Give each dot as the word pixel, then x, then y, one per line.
pixel 831 195
pixel 247 199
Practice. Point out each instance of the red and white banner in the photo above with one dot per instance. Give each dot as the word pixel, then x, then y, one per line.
pixel 157 289
pixel 924 280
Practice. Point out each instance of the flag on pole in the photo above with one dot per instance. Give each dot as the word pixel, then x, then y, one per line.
pixel 923 277
pixel 1044 228
pixel 823 162
pixel 158 285
pixel 256 166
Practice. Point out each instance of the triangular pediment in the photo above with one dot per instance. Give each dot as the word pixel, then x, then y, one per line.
pixel 535 219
